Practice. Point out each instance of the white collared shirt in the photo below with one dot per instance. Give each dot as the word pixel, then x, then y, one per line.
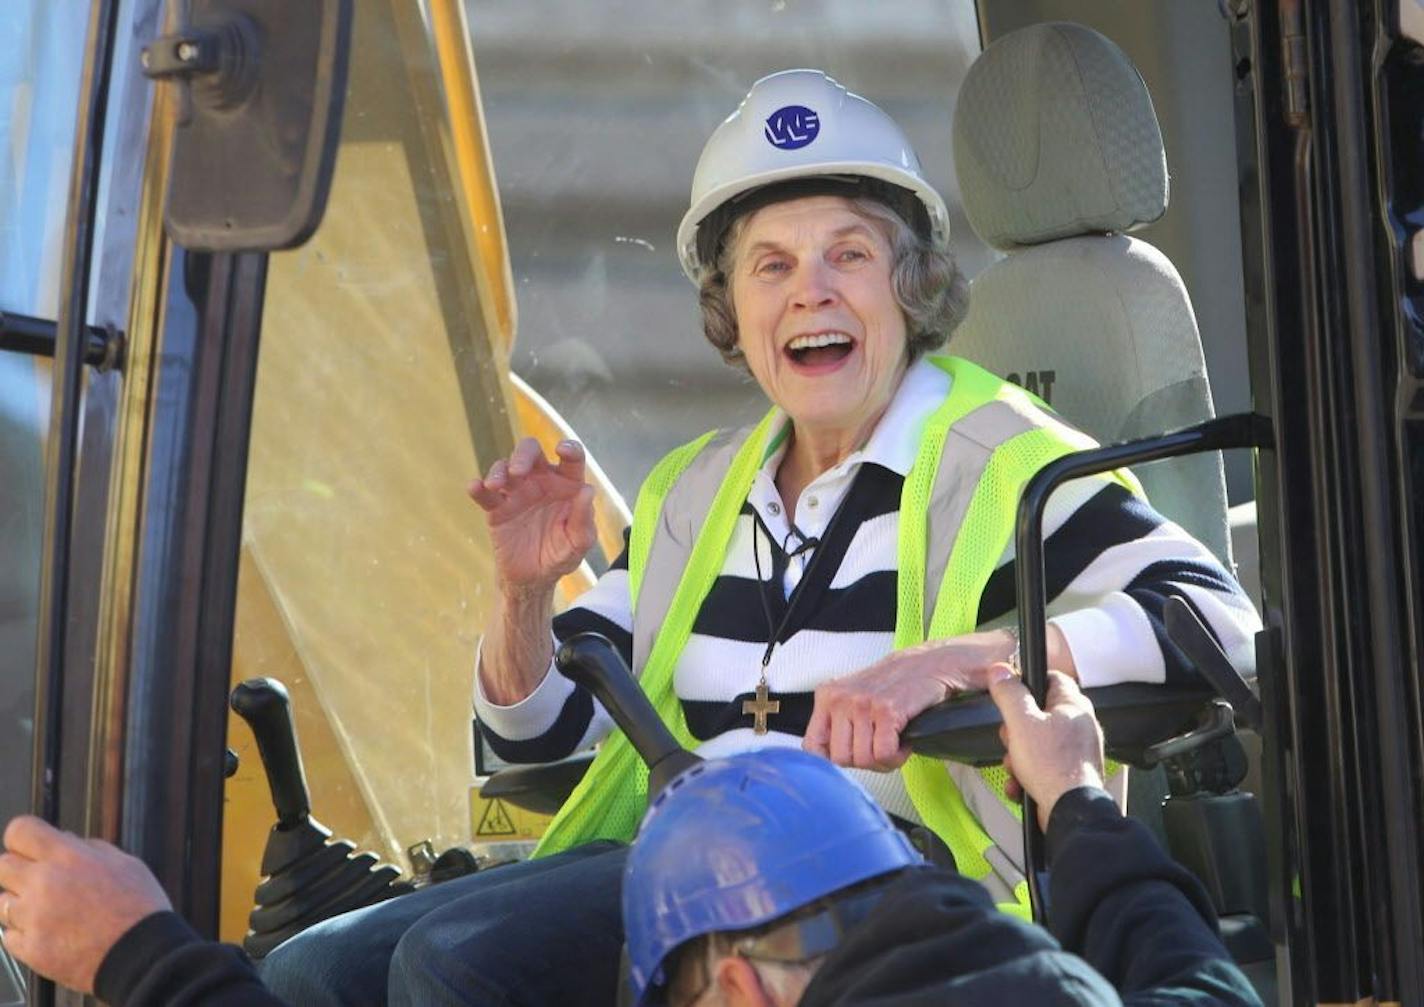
pixel 894 444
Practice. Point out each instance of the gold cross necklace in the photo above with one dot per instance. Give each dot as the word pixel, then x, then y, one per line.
pixel 761 706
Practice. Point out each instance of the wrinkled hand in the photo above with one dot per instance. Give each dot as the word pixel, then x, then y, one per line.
pixel 857 720
pixel 1050 750
pixel 540 515
pixel 67 900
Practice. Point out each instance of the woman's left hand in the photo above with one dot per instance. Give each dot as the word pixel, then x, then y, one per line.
pixel 857 720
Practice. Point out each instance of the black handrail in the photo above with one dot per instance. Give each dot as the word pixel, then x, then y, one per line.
pixel 1246 430
pixel 39 337
pixel 185 594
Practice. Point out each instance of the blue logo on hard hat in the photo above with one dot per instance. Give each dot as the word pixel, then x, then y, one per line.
pixel 792 127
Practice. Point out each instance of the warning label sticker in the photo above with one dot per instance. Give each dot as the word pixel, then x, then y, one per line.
pixel 495 820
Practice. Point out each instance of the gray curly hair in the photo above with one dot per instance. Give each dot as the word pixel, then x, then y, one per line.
pixel 929 287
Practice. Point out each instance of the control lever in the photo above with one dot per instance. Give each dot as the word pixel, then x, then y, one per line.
pixel 591 661
pixel 1185 629
pixel 265 705
pixel 308 876
pixel 1217 721
pixel 1134 717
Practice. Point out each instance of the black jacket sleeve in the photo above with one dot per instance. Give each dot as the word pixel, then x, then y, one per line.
pixel 1137 916
pixel 1140 927
pixel 162 962
pixel 935 938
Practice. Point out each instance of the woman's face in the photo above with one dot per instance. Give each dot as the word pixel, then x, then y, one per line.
pixel 816 313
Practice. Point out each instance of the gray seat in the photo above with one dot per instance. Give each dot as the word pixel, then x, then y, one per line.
pixel 1059 156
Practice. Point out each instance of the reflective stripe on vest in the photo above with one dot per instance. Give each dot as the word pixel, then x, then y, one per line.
pixel 957 514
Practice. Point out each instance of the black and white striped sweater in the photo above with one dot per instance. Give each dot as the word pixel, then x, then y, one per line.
pixel 1111 563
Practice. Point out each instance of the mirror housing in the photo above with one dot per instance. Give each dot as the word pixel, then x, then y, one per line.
pixel 261 88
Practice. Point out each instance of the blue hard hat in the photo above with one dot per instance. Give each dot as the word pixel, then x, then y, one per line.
pixel 738 842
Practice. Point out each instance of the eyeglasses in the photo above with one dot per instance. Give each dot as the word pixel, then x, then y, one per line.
pixel 799 939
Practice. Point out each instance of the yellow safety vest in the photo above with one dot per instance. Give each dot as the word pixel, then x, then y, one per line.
pixel 610 800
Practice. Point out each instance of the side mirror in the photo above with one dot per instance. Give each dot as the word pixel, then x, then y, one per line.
pixel 261 87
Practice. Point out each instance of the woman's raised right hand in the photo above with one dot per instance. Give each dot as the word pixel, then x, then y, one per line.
pixel 540 515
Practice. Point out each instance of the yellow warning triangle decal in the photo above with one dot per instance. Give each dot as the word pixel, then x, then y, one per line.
pixel 495 821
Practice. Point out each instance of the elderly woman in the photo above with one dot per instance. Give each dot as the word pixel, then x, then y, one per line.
pixel 814 581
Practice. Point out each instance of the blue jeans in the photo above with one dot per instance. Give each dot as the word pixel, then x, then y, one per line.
pixel 540 932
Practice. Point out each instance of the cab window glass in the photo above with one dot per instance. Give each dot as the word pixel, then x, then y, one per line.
pixel 39 93
pixel 364 570
pixel 597 114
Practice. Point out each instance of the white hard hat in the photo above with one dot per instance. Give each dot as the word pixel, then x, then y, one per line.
pixel 802 124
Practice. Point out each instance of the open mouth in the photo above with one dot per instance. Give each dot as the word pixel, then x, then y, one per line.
pixel 820 349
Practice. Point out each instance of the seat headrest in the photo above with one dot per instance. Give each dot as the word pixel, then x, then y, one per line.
pixel 1055 136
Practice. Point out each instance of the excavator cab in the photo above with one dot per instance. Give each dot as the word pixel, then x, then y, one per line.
pixel 262 266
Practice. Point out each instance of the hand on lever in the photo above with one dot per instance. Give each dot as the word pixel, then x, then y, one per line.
pixel 857 719
pixel 1051 749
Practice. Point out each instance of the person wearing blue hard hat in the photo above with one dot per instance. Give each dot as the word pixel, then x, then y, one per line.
pixel 771 879
pixel 779 836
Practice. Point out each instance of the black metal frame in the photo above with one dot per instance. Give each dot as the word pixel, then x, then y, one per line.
pixel 1328 337
pixel 1224 433
pixel 62 448
pixel 185 587
pixel 1390 827
pixel 1384 193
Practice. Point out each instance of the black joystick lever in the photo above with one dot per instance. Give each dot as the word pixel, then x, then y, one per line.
pixel 1185 629
pixel 308 876
pixel 590 661
pixel 264 704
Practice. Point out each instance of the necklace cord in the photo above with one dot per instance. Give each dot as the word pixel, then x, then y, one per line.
pixel 772 632
pixel 811 545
